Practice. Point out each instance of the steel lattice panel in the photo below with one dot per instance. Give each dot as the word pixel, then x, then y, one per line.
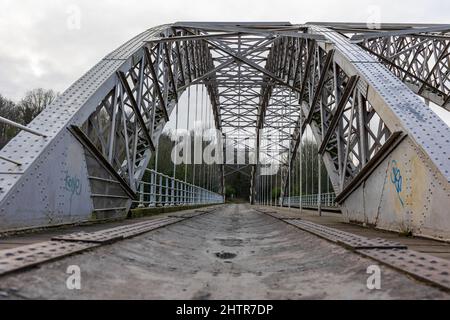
pixel 421 122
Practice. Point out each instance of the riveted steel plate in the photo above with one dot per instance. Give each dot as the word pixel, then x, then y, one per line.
pixel 345 238
pixel 118 233
pixel 30 255
pixel 417 264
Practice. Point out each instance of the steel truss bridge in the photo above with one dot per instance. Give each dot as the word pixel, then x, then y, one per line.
pixel 364 94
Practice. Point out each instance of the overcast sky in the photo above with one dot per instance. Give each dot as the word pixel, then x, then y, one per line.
pixel 51 43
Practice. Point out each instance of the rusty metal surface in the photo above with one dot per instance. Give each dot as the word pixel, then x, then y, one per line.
pixel 345 238
pixel 30 255
pixel 417 264
pixel 118 233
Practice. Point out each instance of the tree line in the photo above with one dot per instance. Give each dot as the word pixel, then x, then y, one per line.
pixel 22 112
pixel 203 175
pixel 237 184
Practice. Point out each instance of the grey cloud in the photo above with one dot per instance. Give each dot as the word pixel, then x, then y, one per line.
pixel 37 49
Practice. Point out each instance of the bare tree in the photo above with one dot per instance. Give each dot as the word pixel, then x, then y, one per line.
pixel 7 110
pixel 24 112
pixel 34 102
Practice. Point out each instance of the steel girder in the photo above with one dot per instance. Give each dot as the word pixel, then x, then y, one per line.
pixel 376 135
pixel 351 85
pixel 100 134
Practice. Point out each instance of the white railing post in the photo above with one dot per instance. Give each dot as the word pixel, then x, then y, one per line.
pixel 172 192
pixel 167 200
pixel 160 190
pixel 167 191
pixel 152 189
pixel 141 195
pixel 177 192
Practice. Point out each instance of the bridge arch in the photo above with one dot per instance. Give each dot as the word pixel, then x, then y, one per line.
pixel 357 92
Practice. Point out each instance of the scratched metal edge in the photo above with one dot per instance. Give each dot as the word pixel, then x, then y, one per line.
pixel 372 247
pixel 190 216
pixel 122 237
pixel 104 242
pixel 335 239
pixel 196 213
pixel 119 236
pixel 313 232
pixel 156 228
pixel 30 265
pixel 415 275
pixel 273 214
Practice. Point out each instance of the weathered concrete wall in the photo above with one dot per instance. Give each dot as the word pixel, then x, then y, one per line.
pixel 55 190
pixel 405 194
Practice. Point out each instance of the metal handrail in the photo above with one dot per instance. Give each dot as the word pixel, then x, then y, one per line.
pixel 327 200
pixel 21 127
pixel 163 190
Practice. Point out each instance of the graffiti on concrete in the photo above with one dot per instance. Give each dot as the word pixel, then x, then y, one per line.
pixel 72 184
pixel 397 180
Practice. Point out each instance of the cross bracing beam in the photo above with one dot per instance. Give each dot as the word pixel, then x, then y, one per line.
pixel 274 79
pixel 421 62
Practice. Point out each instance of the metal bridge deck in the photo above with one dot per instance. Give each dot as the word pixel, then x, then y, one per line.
pixel 337 221
pixel 233 252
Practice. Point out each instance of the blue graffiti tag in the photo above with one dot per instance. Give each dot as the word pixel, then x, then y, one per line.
pixel 397 180
pixel 72 184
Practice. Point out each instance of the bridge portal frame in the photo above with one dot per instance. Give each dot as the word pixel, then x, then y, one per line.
pixel 385 151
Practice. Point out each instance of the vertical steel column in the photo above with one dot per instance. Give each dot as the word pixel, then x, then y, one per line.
pixel 301 157
pixel 160 198
pixel 188 133
pixel 141 195
pixel 152 188
pixel 112 134
pixel 195 133
pixel 289 162
pixel 263 190
pixel 167 199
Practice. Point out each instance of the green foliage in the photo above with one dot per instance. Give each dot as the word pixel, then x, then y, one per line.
pixel 276 193
pixel 230 192
pixel 206 176
pixel 9 111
